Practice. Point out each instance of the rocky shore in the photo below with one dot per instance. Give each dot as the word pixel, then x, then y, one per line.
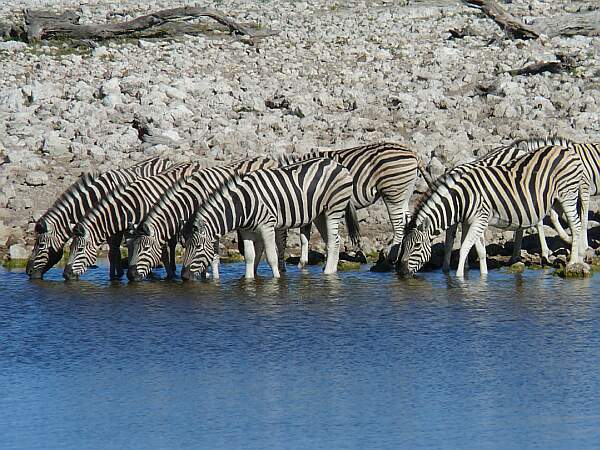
pixel 430 74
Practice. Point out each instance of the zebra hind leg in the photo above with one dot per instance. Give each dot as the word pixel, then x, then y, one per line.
pixel 472 236
pixel 281 235
pixel 249 257
pixel 332 224
pixel 268 236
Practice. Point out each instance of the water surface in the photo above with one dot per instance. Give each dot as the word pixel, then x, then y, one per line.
pixel 357 360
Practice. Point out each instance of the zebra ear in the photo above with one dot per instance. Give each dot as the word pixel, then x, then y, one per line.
pixel 41 227
pixel 79 230
pixel 146 229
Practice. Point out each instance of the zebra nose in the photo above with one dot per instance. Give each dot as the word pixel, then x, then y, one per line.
pixel 186 273
pixel 68 272
pixel 133 274
pixel 403 268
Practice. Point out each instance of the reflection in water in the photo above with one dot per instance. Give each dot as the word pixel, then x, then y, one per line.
pixel 352 360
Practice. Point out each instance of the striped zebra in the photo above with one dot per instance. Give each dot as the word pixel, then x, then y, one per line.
pixel 177 206
pixel 261 202
pixel 519 194
pixel 111 217
pixel 381 170
pixel 54 228
pixel 589 154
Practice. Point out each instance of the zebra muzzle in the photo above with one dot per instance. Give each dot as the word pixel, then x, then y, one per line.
pixel 68 273
pixel 133 274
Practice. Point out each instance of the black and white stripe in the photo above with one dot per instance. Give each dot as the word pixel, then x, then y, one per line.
pixel 382 170
pixel 516 195
pixel 110 218
pixel 54 228
pixel 261 202
pixel 177 206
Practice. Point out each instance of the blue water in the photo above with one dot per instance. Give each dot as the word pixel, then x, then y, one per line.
pixel 357 360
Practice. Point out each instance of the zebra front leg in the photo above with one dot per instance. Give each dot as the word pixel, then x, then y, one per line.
pixel 448 245
pixel 464 230
pixel 569 206
pixel 304 239
pixel 172 269
pixel 281 235
pixel 474 234
pixel 268 236
pixel 480 247
pixel 259 248
pixel 397 212
pixel 517 246
pixel 215 261
pixel 114 256
pixel 166 261
pixel 249 256
pixel 585 209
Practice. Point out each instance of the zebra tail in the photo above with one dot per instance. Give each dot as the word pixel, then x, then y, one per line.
pixel 352 224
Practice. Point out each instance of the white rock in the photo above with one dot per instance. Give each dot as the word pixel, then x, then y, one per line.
pixel 18 251
pixel 36 178
pixel 54 145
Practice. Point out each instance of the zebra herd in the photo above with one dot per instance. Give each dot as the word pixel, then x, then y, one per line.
pixel 154 205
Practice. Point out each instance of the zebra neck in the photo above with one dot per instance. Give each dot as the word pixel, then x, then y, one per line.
pixel 441 212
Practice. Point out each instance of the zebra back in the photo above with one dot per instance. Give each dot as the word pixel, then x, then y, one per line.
pixel 130 203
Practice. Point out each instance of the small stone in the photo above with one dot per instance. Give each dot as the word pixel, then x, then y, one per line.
pixel 517 267
pixel 36 178
pixel 54 145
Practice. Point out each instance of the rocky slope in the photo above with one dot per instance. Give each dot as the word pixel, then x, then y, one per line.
pixel 339 74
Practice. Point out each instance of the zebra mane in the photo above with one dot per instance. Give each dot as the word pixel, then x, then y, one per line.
pixel 215 198
pixel 445 179
pixel 288 159
pixel 83 183
pixel 534 143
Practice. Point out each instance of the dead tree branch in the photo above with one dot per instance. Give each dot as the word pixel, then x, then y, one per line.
pixel 512 26
pixel 46 25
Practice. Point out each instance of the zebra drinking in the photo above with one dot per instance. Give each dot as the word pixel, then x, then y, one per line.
pixel 177 206
pixel 382 170
pixel 109 220
pixel 261 202
pixel 54 228
pixel 519 194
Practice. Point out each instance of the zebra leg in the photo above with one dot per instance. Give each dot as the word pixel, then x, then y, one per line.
pixel 332 225
pixel 464 230
pixel 304 239
pixel 259 248
pixel 517 246
pixel 397 213
pixel 281 235
pixel 172 268
pixel 448 244
pixel 268 236
pixel 480 247
pixel 558 227
pixel 114 256
pixel 569 206
pixel 473 235
pixel 249 256
pixel 543 244
pixel 166 260
pixel 585 209
pixel 215 261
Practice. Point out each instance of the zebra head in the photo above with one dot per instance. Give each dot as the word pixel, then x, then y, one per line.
pixel 47 251
pixel 83 253
pixel 199 250
pixel 416 248
pixel 145 251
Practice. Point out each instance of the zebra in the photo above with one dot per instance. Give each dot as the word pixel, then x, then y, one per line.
pixel 54 228
pixel 515 195
pixel 111 217
pixel 384 170
pixel 177 206
pixel 589 153
pixel 263 201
